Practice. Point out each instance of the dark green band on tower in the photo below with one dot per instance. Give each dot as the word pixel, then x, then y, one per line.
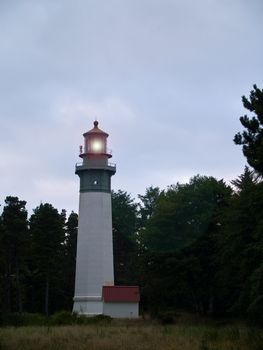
pixel 95 180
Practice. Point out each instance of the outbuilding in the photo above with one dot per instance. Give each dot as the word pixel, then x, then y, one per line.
pixel 121 301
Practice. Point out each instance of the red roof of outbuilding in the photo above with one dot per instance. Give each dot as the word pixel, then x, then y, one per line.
pixel 121 294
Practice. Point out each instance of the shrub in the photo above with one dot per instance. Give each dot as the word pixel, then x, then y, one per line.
pixel 62 318
pixel 102 319
pixel 16 319
pixel 166 317
pixel 12 319
pixel 81 319
pixel 255 311
pixel 29 319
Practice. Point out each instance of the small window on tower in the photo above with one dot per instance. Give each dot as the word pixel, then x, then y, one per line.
pixel 95 182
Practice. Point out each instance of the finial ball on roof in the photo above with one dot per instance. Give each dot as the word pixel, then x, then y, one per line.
pixel 96 123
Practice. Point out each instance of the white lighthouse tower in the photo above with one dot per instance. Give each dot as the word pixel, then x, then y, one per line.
pixel 94 265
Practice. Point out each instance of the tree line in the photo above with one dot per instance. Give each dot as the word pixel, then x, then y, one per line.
pixel 37 258
pixel 196 246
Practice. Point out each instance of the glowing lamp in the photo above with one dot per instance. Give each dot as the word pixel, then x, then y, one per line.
pixel 96 146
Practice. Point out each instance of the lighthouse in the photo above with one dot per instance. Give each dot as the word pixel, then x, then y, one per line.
pixel 95 292
pixel 94 263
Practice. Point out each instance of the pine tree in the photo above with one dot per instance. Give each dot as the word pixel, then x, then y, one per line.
pixel 70 259
pixel 124 222
pixel 252 137
pixel 15 244
pixel 48 236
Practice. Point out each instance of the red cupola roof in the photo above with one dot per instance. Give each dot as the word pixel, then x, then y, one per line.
pixel 96 130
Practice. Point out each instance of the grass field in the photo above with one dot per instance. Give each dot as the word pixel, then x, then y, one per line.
pixel 132 335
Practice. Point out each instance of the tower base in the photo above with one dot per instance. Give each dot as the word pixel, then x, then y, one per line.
pixel 89 306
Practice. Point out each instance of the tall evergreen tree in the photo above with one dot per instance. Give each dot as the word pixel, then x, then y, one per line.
pixel 124 222
pixel 70 258
pixel 240 250
pixel 246 180
pixel 181 244
pixel 251 138
pixel 183 213
pixel 2 267
pixel 15 239
pixel 149 202
pixel 48 236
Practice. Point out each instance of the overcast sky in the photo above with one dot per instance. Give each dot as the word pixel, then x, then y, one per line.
pixel 163 77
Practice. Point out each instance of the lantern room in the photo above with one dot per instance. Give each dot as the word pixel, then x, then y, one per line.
pixel 95 143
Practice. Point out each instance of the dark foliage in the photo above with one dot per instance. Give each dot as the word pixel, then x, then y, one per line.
pixel 124 222
pixel 15 241
pixel 251 138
